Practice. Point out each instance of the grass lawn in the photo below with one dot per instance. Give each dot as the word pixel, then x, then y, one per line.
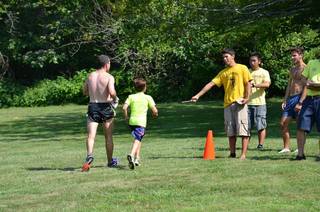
pixel 42 150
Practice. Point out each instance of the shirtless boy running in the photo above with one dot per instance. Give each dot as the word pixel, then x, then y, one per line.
pixel 292 96
pixel 100 88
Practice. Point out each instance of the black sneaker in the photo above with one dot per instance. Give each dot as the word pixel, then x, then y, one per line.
pixel 232 155
pixel 131 161
pixel 260 147
pixel 303 157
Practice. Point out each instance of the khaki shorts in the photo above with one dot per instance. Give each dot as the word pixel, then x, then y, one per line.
pixel 236 120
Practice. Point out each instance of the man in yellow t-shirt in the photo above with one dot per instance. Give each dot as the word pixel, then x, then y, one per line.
pixel 309 105
pixel 139 104
pixel 257 104
pixel 235 79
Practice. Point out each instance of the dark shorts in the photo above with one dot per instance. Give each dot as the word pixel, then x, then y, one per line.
pixel 309 114
pixel 137 132
pixel 288 111
pixel 100 112
pixel 257 116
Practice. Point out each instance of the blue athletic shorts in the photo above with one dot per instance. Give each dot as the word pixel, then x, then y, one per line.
pixel 137 132
pixel 309 114
pixel 288 111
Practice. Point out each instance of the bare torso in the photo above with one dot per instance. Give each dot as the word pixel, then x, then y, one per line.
pixel 100 85
pixel 296 85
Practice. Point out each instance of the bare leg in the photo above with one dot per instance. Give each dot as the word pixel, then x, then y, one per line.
pixel 232 144
pixel 301 140
pixel 92 131
pixel 135 148
pixel 284 123
pixel 138 151
pixel 107 128
pixel 245 143
pixel 262 135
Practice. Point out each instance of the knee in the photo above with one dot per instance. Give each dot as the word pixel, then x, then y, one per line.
pixel 283 126
pixel 90 137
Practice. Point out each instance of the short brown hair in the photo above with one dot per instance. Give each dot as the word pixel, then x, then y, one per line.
pixel 103 60
pixel 139 84
pixel 228 51
pixel 298 50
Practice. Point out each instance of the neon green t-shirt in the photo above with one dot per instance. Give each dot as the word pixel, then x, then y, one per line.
pixel 258 95
pixel 312 72
pixel 139 104
pixel 233 80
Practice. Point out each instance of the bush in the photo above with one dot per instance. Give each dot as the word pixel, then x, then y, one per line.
pixel 10 93
pixel 46 92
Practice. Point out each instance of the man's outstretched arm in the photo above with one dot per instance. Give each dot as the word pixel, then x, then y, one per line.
pixel 204 90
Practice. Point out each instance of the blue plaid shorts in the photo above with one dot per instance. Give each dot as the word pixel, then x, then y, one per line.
pixel 137 132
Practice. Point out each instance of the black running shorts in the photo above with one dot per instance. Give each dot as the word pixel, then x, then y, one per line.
pixel 100 112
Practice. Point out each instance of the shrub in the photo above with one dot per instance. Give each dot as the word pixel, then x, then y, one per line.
pixel 45 92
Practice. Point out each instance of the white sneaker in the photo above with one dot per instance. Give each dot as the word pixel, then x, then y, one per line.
pixel 137 162
pixel 285 151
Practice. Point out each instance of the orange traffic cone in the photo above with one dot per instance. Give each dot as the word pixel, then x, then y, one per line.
pixel 209 150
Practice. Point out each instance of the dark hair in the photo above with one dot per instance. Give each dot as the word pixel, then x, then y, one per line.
pixel 256 54
pixel 299 50
pixel 139 84
pixel 103 60
pixel 228 51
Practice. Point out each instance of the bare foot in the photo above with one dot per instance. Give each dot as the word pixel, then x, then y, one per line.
pixel 242 157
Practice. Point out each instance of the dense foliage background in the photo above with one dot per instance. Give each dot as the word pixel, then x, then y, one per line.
pixel 47 47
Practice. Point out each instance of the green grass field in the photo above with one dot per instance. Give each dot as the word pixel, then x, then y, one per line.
pixel 42 151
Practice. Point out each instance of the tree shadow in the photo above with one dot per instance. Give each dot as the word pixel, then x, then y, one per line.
pixel 175 121
pixel 47 127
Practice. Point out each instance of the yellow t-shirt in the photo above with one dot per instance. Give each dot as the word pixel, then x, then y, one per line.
pixel 312 72
pixel 234 80
pixel 258 95
pixel 139 104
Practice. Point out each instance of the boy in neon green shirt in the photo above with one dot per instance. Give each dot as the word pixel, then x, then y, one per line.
pixel 139 104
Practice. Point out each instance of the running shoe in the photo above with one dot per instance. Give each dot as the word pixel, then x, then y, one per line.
pixel 131 161
pixel 137 162
pixel 113 163
pixel 87 164
pixel 285 150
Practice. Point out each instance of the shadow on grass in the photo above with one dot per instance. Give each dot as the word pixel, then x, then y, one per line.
pixel 270 157
pixel 179 157
pixel 280 157
pixel 66 169
pixel 223 149
pixel 72 169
